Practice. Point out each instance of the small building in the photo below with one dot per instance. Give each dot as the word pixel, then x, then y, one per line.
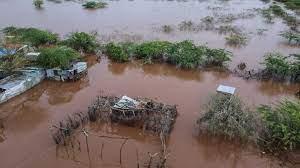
pixel 75 72
pixel 5 51
pixel 20 82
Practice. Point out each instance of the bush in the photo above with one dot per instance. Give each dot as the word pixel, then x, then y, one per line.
pixel 10 63
pixel 152 50
pixel 227 116
pixel 217 57
pixel 277 65
pixel 236 39
pixel 186 55
pixel 282 124
pixel 291 36
pixel 57 57
pixel 277 10
pixel 32 36
pixel 167 28
pixel 38 3
pixel 291 4
pixel 116 52
pixel 94 4
pixel 82 42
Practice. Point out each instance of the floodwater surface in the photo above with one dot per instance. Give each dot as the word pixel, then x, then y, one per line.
pixel 26 119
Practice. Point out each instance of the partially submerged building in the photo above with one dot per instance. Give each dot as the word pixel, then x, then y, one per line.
pixel 75 72
pixel 20 82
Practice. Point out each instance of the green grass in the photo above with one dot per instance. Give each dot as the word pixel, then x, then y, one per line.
pixel 116 52
pixel 57 57
pixel 94 4
pixel 183 54
pixel 32 36
pixel 82 42
pixel 282 124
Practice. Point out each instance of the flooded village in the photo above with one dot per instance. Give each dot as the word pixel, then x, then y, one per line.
pixel 150 83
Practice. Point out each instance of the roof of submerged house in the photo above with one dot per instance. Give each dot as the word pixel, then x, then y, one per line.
pixel 5 51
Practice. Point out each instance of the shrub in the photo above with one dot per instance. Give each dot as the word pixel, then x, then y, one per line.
pixel 277 10
pixel 277 65
pixel 217 57
pixel 291 4
pixel 38 3
pixel 295 69
pixel 291 36
pixel 116 52
pixel 152 50
pixel 227 116
pixel 10 63
pixel 82 42
pixel 57 57
pixel 167 28
pixel 236 39
pixel 32 36
pixel 282 124
pixel 186 55
pixel 94 4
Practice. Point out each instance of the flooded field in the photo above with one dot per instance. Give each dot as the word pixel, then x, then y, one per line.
pixel 26 119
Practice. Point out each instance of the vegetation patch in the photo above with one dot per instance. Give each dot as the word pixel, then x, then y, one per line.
pixel 116 52
pixel 94 4
pixel 186 55
pixel 227 116
pixel 282 124
pixel 82 42
pixel 167 28
pixel 183 54
pixel 31 36
pixel 152 50
pixel 236 39
pixel 10 63
pixel 38 3
pixel 281 67
pixel 57 57
pixel 291 36
pixel 291 4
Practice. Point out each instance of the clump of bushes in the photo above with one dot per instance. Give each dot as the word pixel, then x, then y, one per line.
pixel 186 55
pixel 282 124
pixel 291 4
pixel 277 10
pixel 38 3
pixel 152 50
pixel 94 4
pixel 57 57
pixel 32 36
pixel 82 42
pixel 217 57
pixel 186 26
pixel 228 117
pixel 10 63
pixel 167 29
pixel 291 36
pixel 116 52
pixel 236 39
pixel 183 54
pixel 280 67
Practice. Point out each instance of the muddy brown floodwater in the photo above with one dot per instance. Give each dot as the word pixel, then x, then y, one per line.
pixel 26 118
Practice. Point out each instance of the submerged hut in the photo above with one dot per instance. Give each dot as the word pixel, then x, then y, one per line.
pixel 151 116
pixel 75 72
pixel 20 82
